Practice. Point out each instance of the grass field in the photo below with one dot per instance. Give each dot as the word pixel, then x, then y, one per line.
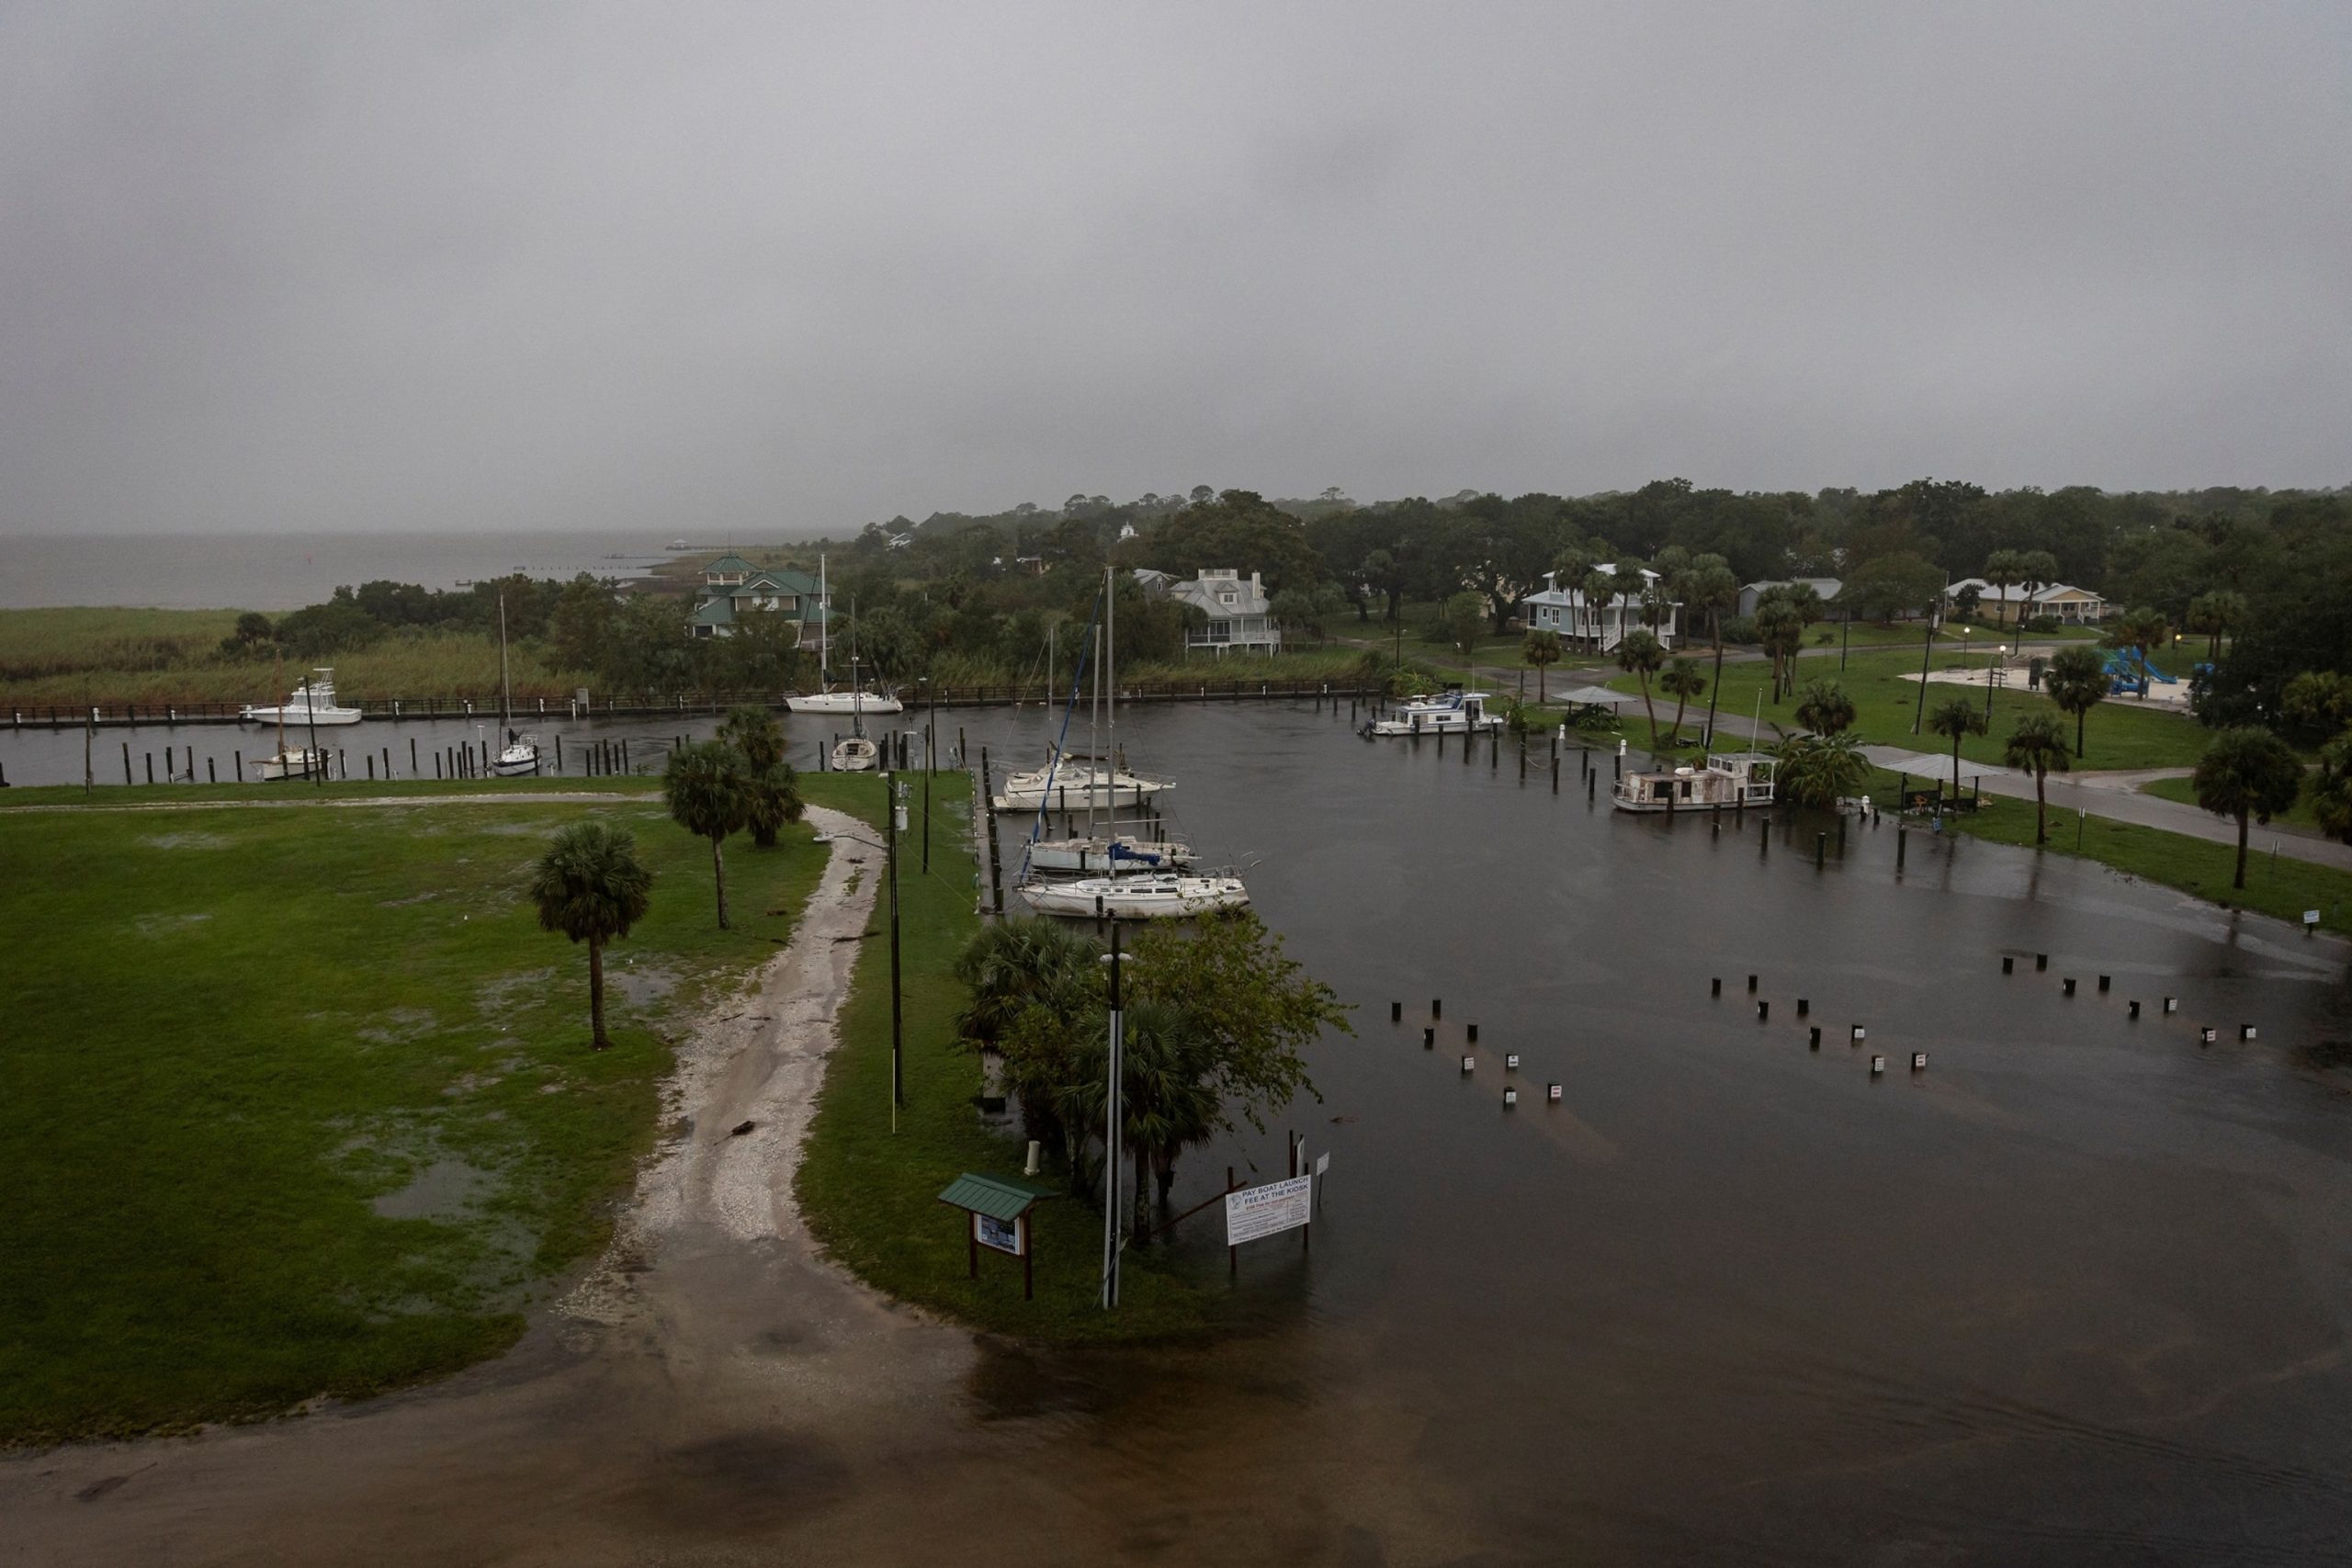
pixel 301 1102
pixel 2122 733
pixel 2283 887
pixel 2185 791
pixel 872 1195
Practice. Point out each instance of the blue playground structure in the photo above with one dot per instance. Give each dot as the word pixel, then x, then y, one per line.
pixel 2128 670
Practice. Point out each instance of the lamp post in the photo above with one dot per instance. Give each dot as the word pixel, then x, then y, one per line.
pixel 1927 650
pixel 1993 678
pixel 893 812
pixel 1113 1103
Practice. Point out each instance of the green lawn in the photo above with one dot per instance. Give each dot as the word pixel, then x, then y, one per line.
pixel 872 1195
pixel 301 1102
pixel 2284 888
pixel 2185 791
pixel 2122 733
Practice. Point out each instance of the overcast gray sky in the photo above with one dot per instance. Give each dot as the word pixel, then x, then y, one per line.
pixel 767 269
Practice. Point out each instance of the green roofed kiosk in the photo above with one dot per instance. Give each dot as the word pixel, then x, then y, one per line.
pixel 999 1207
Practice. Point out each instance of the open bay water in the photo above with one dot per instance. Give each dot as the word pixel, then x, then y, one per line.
pixel 2079 1292
pixel 273 572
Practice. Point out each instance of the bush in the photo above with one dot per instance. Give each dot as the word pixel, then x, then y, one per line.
pixel 2042 624
pixel 1740 628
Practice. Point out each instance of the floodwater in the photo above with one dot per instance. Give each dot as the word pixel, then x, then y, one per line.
pixel 2079 1292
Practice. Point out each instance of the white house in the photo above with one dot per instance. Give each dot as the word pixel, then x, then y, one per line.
pixel 1604 626
pixel 1750 595
pixel 2061 601
pixel 1240 616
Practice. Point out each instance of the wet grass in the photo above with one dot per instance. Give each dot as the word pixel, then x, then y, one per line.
pixel 2281 887
pixel 872 1195
pixel 2121 733
pixel 301 1102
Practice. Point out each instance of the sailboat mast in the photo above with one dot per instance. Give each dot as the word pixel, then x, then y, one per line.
pixel 824 629
pixel 1111 712
pixel 505 686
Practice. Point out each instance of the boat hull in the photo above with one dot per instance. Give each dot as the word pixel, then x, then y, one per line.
pixel 1075 790
pixel 295 717
pixel 1136 897
pixel 1093 856
pixel 852 703
pixel 517 762
pixel 291 765
pixel 854 755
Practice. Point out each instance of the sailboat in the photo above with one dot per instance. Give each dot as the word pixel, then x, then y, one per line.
pixel 1144 893
pixel 855 754
pixel 519 758
pixel 310 760
pixel 826 700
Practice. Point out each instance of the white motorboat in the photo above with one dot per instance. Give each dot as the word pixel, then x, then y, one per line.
pixel 1147 897
pixel 519 758
pixel 855 754
pixel 855 700
pixel 295 764
pixel 1730 778
pixel 1083 786
pixel 1453 713
pixel 310 703
pixel 1097 856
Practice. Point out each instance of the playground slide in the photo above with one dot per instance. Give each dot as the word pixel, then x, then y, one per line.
pixel 2129 671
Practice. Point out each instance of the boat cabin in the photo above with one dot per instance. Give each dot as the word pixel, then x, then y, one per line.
pixel 1730 778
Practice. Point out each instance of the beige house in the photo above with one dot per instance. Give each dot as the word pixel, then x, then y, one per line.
pixel 2008 604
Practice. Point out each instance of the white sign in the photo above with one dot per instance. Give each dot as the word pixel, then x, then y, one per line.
pixel 1278 1206
pixel 2310 916
pixel 1322 1164
pixel 1002 1235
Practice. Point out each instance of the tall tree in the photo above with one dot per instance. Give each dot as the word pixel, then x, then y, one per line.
pixel 1682 681
pixel 2077 682
pixel 1640 652
pixel 776 788
pixel 591 886
pixel 708 787
pixel 1710 585
pixel 1601 587
pixel 1541 651
pixel 2331 789
pixel 2002 569
pixel 1958 718
pixel 2039 746
pixel 2316 703
pixel 1820 770
pixel 2247 773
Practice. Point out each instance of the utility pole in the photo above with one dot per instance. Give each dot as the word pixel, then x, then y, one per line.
pixel 1927 650
pixel 1110 1120
pixel 891 811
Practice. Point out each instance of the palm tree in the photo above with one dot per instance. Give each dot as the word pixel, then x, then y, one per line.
pixel 2331 789
pixel 1959 718
pixel 1780 624
pixel 2001 569
pixel 2037 569
pixel 1709 585
pixel 2039 746
pixel 591 886
pixel 1542 650
pixel 1032 982
pixel 1601 587
pixel 708 787
pixel 1820 770
pixel 2316 702
pixel 1825 708
pixel 2224 608
pixel 2077 682
pixel 776 788
pixel 1640 651
pixel 2247 772
pixel 1682 681
pixel 1168 1094
pixel 2139 630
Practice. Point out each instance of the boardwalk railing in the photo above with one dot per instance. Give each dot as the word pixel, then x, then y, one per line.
pixel 643 704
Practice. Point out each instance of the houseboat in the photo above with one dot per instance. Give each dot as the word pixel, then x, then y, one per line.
pixel 1730 778
pixel 1451 712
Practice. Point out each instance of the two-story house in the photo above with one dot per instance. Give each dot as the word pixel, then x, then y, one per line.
pixel 1602 624
pixel 733 588
pixel 1240 616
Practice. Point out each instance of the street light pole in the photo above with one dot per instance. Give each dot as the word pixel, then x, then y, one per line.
pixel 1993 678
pixel 1111 1104
pixel 1927 650
pixel 890 809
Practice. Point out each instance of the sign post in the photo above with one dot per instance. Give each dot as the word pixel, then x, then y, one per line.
pixel 997 1209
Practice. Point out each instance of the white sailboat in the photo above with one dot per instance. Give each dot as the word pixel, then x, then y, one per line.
pixel 519 758
pixel 1087 856
pixel 312 703
pixel 855 753
pixel 825 700
pixel 1140 895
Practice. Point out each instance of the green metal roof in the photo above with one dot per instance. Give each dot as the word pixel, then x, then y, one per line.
pixel 998 1197
pixel 730 563
pixel 713 612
